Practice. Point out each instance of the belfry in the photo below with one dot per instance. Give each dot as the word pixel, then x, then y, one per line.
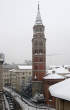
pixel 38 54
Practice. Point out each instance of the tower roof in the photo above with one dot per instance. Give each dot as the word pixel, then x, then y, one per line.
pixel 38 18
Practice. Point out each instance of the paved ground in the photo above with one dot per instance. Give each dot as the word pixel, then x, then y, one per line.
pixel 24 105
pixel 32 108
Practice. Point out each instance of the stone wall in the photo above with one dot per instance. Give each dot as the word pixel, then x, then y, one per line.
pixel 37 87
pixel 62 104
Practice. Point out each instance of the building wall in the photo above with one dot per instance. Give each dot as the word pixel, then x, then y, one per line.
pixel 22 78
pixel 37 87
pixel 38 58
pixel 17 78
pixel 62 104
pixel 1 77
pixel 50 100
pixel 1 87
pixel 1 81
pixel 6 77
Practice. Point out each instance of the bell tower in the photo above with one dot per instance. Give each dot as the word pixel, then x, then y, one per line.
pixel 38 54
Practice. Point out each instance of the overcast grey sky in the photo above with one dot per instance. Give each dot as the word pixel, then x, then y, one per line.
pixel 17 18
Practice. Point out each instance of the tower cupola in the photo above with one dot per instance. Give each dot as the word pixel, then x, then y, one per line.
pixel 38 26
pixel 38 18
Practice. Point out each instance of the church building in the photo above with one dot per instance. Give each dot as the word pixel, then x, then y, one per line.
pixel 38 55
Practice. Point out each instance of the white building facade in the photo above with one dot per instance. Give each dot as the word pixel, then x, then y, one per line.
pixel 18 78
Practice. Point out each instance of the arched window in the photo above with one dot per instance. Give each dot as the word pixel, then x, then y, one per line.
pixel 35 51
pixel 40 51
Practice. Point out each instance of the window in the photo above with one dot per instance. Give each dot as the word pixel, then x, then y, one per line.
pixel 23 73
pixel 29 73
pixel 41 59
pixel 23 77
pixel 36 51
pixel 40 51
pixel 35 67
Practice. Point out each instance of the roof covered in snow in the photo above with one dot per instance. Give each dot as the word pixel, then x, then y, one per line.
pixel 53 76
pixel 67 75
pixel 67 66
pixel 60 70
pixel 61 90
pixel 24 67
pixel 12 70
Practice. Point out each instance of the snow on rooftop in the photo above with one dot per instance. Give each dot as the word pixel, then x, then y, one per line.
pixel 53 76
pixel 24 67
pixel 67 66
pixel 62 70
pixel 12 70
pixel 67 75
pixel 49 71
pixel 61 90
pixel 55 66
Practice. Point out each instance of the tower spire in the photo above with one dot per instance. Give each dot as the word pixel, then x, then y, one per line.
pixel 38 18
pixel 38 5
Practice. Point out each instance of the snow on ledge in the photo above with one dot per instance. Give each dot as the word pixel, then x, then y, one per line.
pixel 24 67
pixel 61 90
